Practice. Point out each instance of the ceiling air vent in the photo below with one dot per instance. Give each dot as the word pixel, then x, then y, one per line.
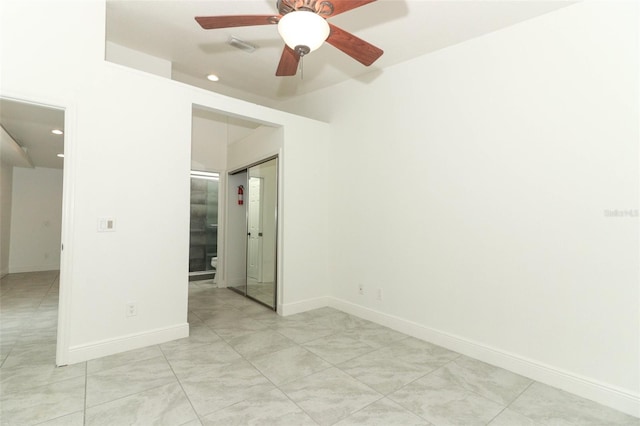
pixel 242 45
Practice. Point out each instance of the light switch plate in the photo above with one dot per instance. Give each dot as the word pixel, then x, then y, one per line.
pixel 106 224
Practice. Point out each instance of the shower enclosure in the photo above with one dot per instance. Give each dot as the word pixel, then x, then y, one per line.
pixel 203 236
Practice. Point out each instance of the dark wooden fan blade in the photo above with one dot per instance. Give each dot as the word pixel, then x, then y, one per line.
pixel 358 49
pixel 214 22
pixel 340 6
pixel 288 63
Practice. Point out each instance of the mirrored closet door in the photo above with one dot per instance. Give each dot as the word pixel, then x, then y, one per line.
pixel 262 196
pixel 252 228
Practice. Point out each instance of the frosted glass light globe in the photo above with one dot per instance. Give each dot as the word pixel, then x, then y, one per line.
pixel 303 28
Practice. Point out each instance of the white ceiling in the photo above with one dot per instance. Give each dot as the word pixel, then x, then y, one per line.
pixel 30 126
pixel 404 29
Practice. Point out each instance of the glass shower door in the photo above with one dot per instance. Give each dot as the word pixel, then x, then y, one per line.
pixel 203 235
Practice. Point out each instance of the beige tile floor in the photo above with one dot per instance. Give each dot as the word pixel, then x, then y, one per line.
pixel 244 365
pixel 263 291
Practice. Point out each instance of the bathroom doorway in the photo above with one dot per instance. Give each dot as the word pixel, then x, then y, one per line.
pixel 252 220
pixel 203 230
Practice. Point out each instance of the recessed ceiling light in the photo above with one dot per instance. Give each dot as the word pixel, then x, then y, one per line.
pixel 213 77
pixel 61 155
pixel 56 131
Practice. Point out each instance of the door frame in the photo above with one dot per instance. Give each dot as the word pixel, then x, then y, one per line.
pixel 68 202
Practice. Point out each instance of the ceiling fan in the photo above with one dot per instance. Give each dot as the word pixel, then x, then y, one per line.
pixel 302 25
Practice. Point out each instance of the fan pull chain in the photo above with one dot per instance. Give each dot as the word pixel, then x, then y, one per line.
pixel 301 67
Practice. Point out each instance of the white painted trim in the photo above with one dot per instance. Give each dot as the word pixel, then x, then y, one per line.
pixel 619 399
pixel 280 283
pixel 33 268
pixel 126 343
pixel 66 237
pixel 303 306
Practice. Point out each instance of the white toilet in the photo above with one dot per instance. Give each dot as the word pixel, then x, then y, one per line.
pixel 214 265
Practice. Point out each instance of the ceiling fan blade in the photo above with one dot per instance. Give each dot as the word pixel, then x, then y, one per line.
pixel 214 22
pixel 288 63
pixel 340 6
pixel 358 49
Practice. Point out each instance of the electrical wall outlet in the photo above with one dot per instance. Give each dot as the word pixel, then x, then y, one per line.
pixel 131 309
pixel 361 288
pixel 379 293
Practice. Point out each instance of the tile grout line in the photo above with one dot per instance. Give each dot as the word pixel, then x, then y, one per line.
pixel 413 381
pixel 48 290
pixel 497 415
pixel 269 380
pixel 120 366
pixel 332 365
pixel 282 391
pixel 478 393
pixel 509 404
pixel 180 384
pixel 299 345
pixel 382 396
pixel 518 396
pixel 505 406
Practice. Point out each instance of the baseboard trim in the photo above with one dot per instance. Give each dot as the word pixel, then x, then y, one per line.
pixel 34 268
pixel 129 342
pixel 286 309
pixel 610 396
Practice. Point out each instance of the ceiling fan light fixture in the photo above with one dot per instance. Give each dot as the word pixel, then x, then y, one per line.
pixel 303 31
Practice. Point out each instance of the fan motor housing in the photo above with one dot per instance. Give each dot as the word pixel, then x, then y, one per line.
pixel 323 8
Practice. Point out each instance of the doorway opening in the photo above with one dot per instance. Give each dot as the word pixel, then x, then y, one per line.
pixel 32 140
pixel 252 226
pixel 203 230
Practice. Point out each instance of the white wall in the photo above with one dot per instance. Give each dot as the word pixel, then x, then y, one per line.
pixel 471 185
pixel 127 156
pixel 36 220
pixel 138 60
pixel 263 142
pixel 208 144
pixel 6 184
